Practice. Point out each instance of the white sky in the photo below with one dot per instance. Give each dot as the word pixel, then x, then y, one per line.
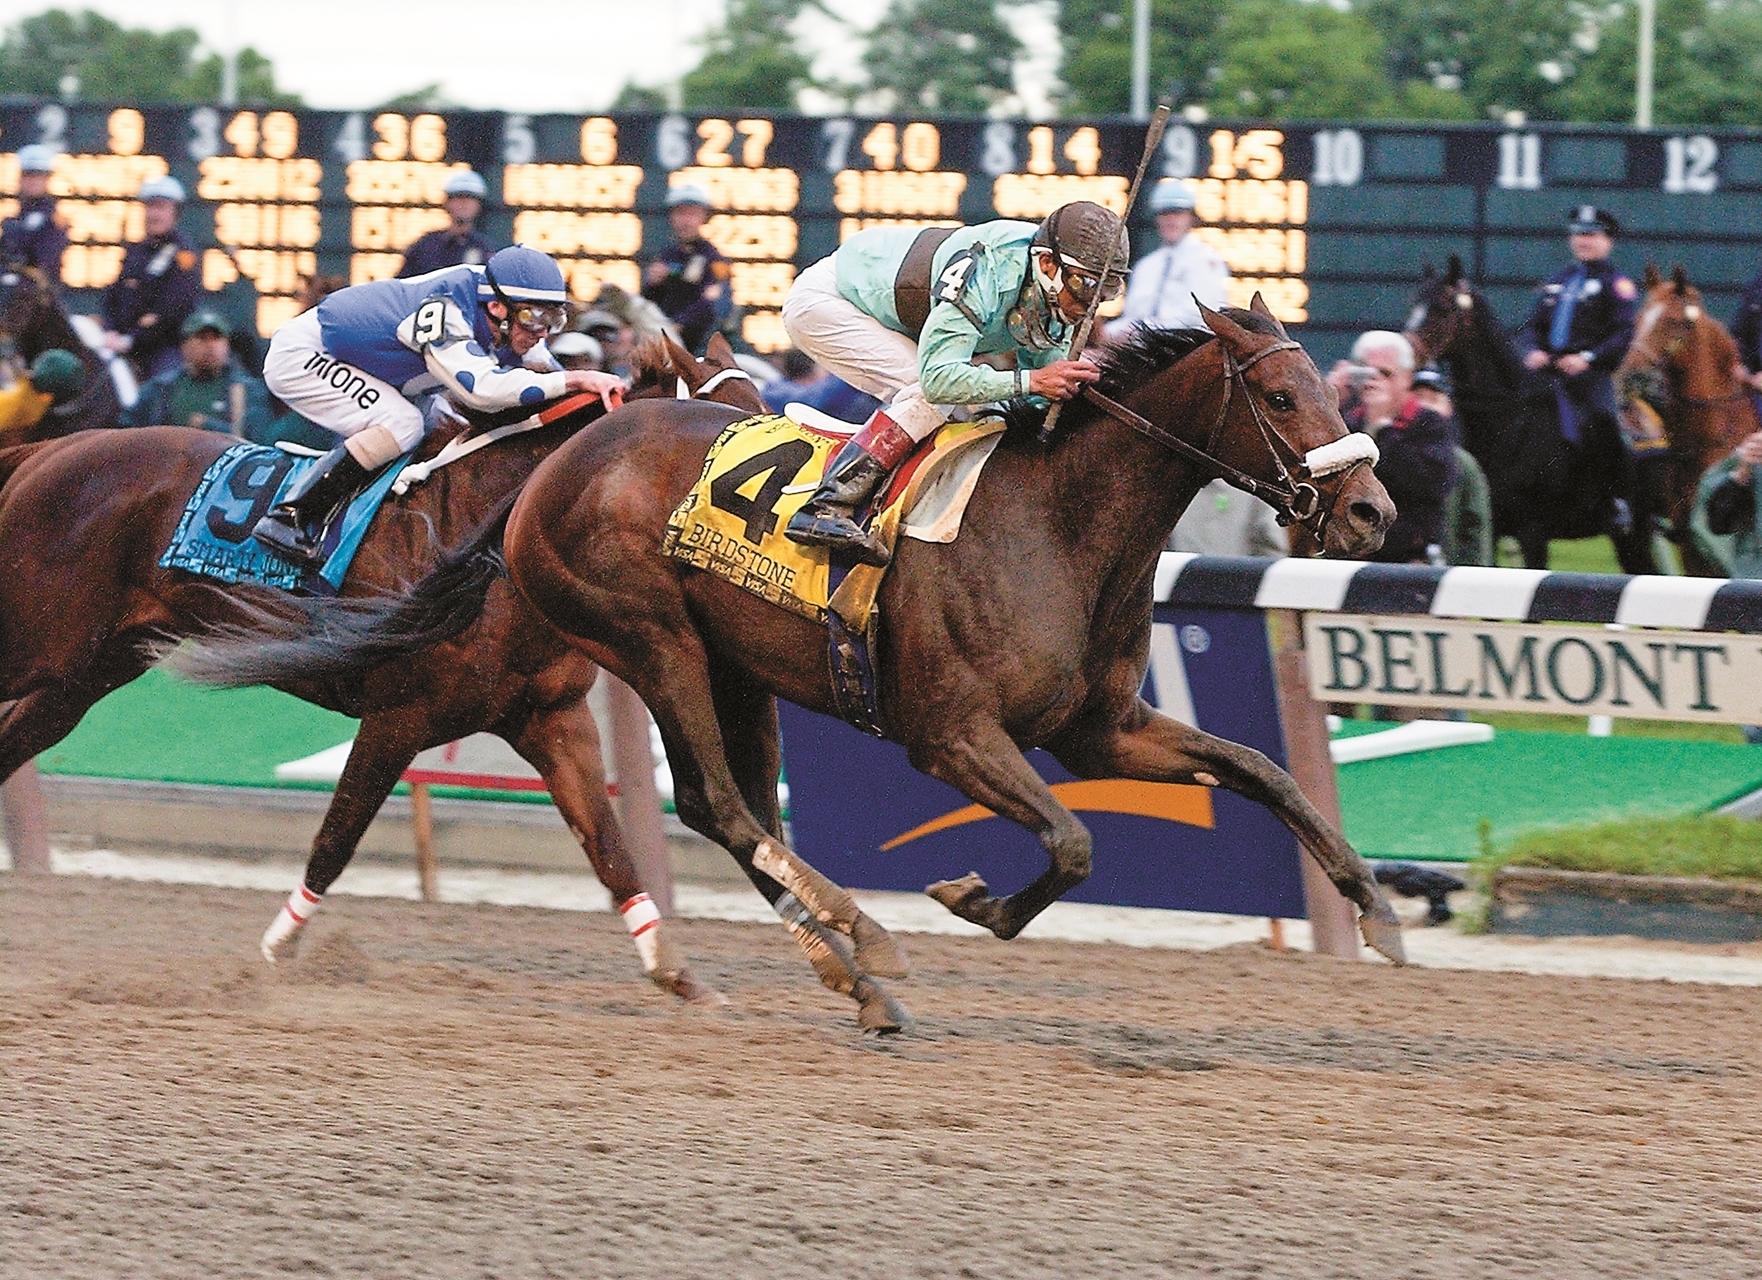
pixel 548 55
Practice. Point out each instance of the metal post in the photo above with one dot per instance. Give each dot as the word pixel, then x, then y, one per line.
pixel 1140 59
pixel 229 61
pixel 1332 919
pixel 27 822
pixel 639 803
pixel 1648 18
pixel 422 829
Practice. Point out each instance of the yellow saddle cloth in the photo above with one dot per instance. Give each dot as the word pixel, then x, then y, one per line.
pixel 762 470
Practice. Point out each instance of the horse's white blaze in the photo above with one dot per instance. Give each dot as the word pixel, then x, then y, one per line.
pixel 1648 320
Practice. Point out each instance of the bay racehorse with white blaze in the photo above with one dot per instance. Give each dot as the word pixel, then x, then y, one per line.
pixel 1030 629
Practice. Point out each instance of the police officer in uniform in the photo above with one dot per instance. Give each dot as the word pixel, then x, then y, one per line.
pixel 459 243
pixel 905 315
pixel 1582 323
pixel 145 308
pixel 36 235
pixel 1577 333
pixel 689 280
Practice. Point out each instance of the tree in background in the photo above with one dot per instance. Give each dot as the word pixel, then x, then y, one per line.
pixel 1472 59
pixel 955 56
pixel 750 61
pixel 1708 66
pixel 1095 38
pixel 1290 61
pixel 127 64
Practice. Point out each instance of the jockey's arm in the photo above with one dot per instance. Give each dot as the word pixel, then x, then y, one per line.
pixel 472 376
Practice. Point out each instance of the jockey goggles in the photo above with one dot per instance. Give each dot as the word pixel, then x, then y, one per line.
pixel 543 318
pixel 1083 282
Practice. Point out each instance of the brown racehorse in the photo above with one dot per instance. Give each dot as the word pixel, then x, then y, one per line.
pixel 33 321
pixel 1684 363
pixel 84 608
pixel 1030 629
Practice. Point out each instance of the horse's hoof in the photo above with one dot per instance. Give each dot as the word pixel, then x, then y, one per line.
pixel 876 950
pixel 969 897
pixel 280 941
pixel 1382 934
pixel 879 1014
pixel 684 984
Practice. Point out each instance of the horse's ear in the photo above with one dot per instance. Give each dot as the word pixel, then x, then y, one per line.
pixel 1679 276
pixel 1453 271
pixel 685 365
pixel 1651 278
pixel 1222 325
pixel 719 353
pixel 1257 305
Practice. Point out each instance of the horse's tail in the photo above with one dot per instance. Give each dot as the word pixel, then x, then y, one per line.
pixel 332 639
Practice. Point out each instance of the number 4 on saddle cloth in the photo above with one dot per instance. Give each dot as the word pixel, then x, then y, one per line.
pixel 214 536
pixel 761 470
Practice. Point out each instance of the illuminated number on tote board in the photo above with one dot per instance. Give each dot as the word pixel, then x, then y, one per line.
pixel 1688 164
pixel 1339 158
pixel 1520 161
pixel 779 465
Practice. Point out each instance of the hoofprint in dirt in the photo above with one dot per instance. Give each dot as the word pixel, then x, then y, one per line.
pixel 482 1091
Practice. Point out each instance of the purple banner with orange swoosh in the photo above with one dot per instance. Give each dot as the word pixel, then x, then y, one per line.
pixel 869 820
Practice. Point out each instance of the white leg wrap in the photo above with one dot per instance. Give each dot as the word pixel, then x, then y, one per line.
pixel 279 937
pixel 643 918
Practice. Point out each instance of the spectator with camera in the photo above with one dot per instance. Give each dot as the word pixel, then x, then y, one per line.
pixel 1418 446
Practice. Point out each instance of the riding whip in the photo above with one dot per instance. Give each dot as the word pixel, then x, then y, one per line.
pixel 1080 336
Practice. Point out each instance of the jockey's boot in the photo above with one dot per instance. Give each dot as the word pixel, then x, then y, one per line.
pixel 294 527
pixel 828 519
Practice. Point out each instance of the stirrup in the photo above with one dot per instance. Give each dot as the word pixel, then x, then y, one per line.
pixel 288 539
pixel 837 534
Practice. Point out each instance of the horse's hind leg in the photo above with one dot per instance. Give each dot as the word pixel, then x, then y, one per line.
pixel 675 683
pixel 562 742
pixel 47 713
pixel 384 747
pixel 1151 747
pixel 747 714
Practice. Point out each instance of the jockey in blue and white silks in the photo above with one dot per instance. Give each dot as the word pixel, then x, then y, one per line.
pixel 356 363
pixel 907 316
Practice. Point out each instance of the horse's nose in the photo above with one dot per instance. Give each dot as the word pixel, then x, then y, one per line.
pixel 1372 515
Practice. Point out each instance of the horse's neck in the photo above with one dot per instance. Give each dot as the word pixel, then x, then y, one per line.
pixel 56 330
pixel 1118 494
pixel 459 494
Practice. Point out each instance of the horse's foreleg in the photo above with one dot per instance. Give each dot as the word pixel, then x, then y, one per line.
pixel 384 747
pixel 985 764
pixel 562 743
pixel 747 715
pixel 1152 747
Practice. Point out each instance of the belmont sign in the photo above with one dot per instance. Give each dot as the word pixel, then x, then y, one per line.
pixel 1436 662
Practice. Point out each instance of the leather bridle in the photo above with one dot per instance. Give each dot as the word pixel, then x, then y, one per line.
pixel 1293 494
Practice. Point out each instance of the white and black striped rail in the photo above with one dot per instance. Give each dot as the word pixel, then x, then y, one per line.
pixel 1521 595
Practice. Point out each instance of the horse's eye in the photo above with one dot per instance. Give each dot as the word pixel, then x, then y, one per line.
pixel 1281 400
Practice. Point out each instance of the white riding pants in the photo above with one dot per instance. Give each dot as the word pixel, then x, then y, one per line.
pixel 851 343
pixel 335 395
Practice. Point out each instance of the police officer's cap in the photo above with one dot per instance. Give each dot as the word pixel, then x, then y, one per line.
pixel 687 193
pixel 465 184
pixel 1588 217
pixel 36 158
pixel 206 322
pixel 1171 196
pixel 166 188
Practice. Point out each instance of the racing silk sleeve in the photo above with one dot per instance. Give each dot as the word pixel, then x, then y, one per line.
pixel 472 376
pixel 960 311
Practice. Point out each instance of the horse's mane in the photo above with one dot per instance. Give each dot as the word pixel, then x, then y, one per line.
pixel 651 363
pixel 1126 365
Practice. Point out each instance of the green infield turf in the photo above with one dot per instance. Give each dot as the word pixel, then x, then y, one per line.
pixel 1429 805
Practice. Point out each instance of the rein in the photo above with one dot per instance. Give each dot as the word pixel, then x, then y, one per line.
pixel 1292 494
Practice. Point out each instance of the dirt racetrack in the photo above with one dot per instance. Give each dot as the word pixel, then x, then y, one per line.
pixel 473 1091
